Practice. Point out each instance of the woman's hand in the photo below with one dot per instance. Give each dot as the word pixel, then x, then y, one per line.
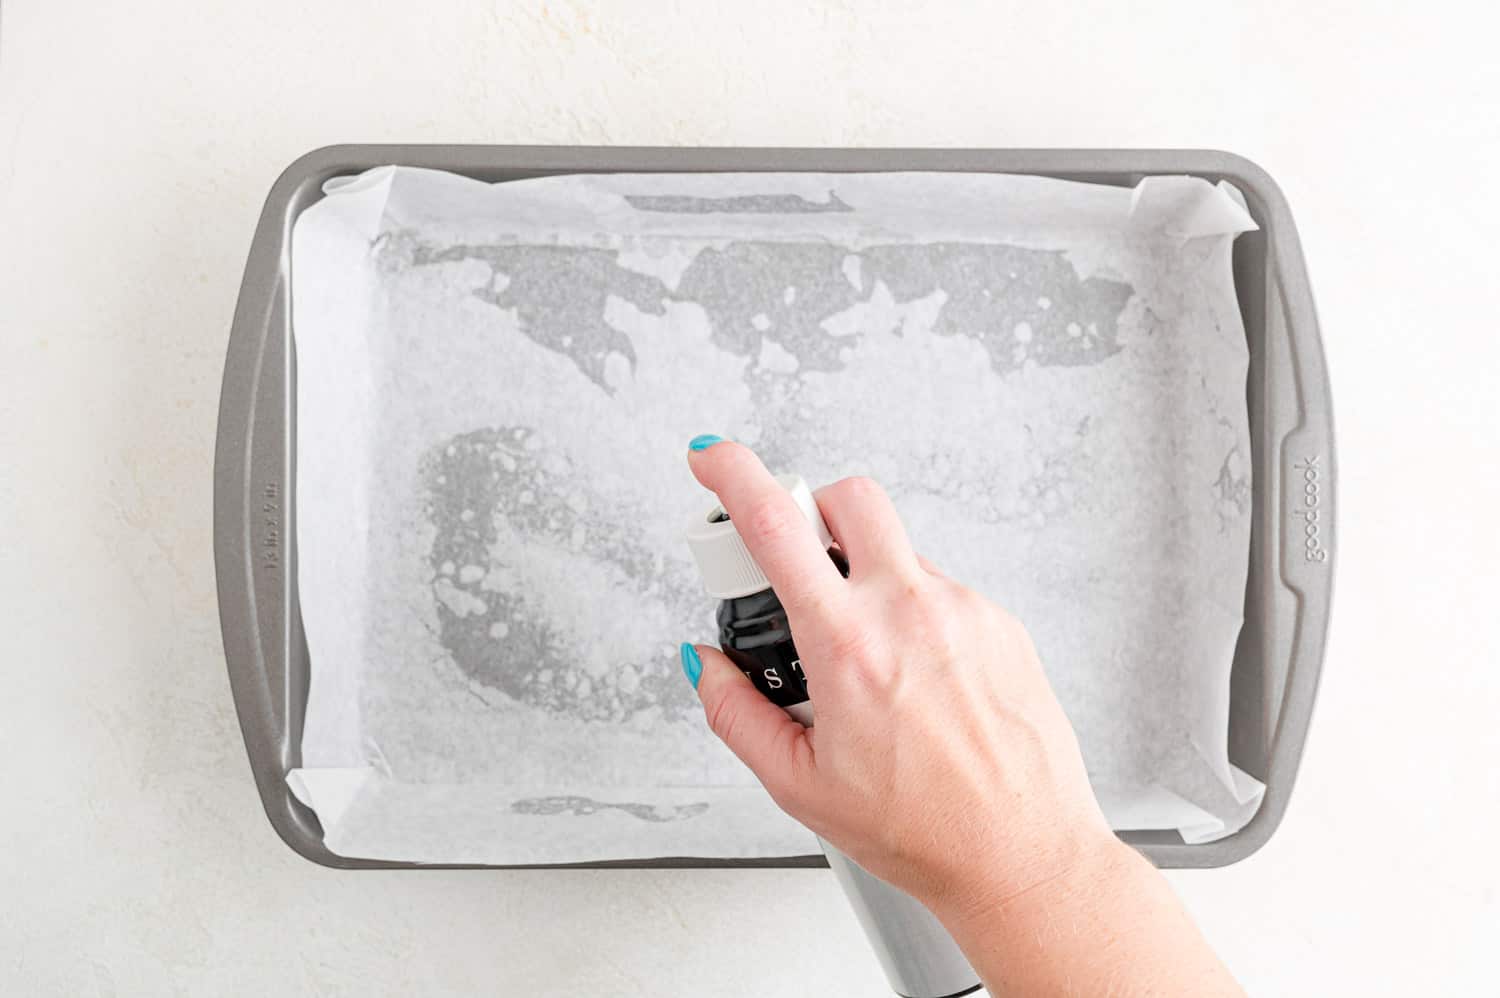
pixel 940 760
pixel 939 750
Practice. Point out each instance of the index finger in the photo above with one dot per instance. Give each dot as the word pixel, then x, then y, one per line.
pixel 774 529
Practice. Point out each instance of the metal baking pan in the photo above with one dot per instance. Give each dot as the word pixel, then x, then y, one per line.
pixel 1293 538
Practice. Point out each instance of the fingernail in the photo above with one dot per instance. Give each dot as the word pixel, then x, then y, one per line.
pixel 692 665
pixel 704 441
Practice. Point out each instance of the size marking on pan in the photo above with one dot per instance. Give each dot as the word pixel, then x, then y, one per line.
pixel 270 527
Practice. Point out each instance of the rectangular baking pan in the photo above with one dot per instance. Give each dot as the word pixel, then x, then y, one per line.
pixel 1292 544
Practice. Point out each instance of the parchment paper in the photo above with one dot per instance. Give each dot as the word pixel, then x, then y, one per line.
pixel 495 389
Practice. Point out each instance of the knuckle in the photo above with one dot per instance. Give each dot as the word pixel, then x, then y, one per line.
pixel 914 592
pixel 768 519
pixel 952 632
pixel 850 647
pixel 807 606
pixel 942 620
pixel 912 596
pixel 859 488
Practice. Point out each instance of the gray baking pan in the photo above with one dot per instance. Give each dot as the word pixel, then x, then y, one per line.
pixel 1292 545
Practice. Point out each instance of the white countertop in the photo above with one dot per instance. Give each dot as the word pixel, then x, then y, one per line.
pixel 136 145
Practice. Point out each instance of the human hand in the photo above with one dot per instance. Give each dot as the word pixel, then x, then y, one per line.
pixel 940 761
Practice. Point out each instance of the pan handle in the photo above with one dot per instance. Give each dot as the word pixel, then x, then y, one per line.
pixel 1302 493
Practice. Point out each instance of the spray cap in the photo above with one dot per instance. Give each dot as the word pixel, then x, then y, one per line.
pixel 723 560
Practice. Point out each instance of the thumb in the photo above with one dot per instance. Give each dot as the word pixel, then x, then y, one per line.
pixel 765 738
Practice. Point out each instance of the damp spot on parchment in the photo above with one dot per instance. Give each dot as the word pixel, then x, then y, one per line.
pixel 1020 304
pixel 498 485
pixel 786 308
pixel 992 293
pixel 558 294
pixel 1023 306
pixel 548 806
pixel 1049 489
pixel 1231 489
pixel 743 287
pixel 1049 480
pixel 772 302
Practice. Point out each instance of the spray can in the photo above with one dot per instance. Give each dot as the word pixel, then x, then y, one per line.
pixel 920 959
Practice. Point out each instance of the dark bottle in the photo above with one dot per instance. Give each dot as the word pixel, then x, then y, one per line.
pixel 754 633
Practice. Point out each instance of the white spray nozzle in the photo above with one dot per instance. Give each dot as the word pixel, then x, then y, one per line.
pixel 723 560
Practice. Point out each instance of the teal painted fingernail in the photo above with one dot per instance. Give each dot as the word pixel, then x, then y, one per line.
pixel 692 665
pixel 704 441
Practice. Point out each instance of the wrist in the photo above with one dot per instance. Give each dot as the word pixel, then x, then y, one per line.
pixel 1071 869
pixel 1106 922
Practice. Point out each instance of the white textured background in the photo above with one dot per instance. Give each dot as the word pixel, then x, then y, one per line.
pixel 136 144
